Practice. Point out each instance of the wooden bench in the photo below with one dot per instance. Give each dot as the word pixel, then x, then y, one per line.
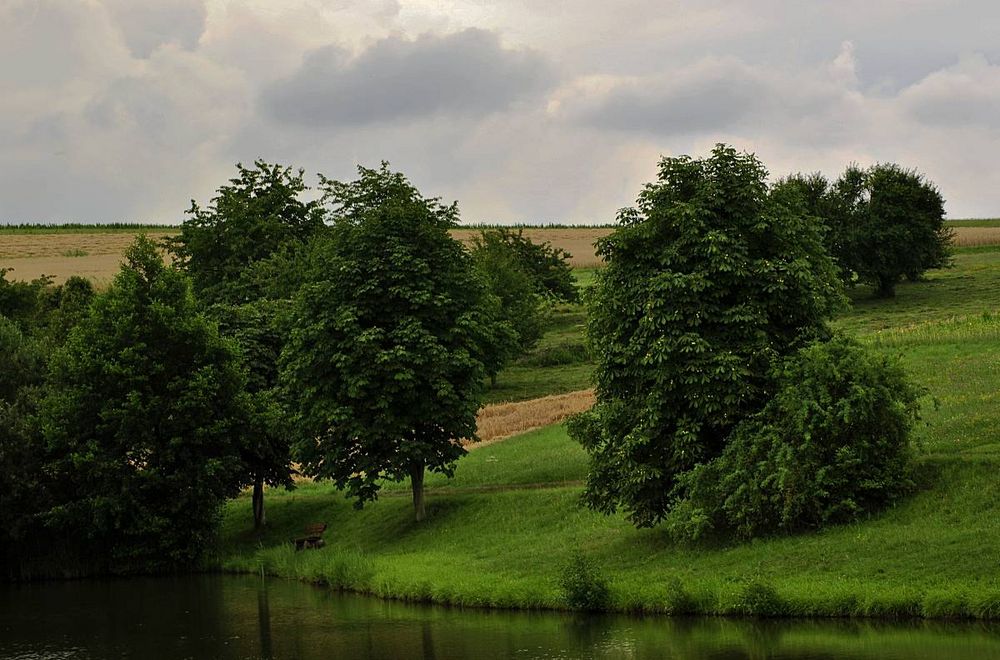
pixel 313 537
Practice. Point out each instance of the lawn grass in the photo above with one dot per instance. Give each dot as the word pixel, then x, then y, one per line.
pixel 500 532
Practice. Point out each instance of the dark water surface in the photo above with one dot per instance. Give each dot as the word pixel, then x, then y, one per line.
pixel 247 617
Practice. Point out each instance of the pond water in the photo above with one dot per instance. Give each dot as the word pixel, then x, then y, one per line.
pixel 213 616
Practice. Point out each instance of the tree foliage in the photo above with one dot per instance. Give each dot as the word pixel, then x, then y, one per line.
pixel 253 217
pixel 142 418
pixel 708 283
pixel 384 364
pixel 883 223
pixel 547 265
pixel 832 444
pixel 519 310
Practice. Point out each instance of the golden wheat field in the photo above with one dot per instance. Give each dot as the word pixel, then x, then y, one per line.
pixel 97 255
pixel 499 421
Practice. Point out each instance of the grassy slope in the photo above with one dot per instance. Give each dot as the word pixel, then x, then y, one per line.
pixel 936 554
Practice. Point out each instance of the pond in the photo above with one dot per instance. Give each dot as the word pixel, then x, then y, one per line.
pixel 215 616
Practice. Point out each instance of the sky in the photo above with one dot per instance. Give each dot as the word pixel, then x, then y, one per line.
pixel 522 110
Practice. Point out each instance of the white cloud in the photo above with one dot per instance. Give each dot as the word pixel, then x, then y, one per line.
pixel 522 110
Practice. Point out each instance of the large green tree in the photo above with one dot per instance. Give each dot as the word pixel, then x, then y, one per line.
pixel 244 254
pixel 708 282
pixel 384 365
pixel 143 420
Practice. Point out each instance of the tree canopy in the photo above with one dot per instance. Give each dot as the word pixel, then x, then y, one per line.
pixel 143 417
pixel 250 219
pixel 708 282
pixel 384 365
pixel 883 223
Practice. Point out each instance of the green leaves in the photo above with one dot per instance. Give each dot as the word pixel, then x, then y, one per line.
pixel 708 282
pixel 142 418
pixel 384 365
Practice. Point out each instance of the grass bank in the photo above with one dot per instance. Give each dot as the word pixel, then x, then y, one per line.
pixel 500 533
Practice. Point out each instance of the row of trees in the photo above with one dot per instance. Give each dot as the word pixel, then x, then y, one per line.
pixel 725 404
pixel 352 334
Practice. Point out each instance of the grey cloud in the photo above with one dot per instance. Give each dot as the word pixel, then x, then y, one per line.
pixel 147 25
pixel 964 95
pixel 464 74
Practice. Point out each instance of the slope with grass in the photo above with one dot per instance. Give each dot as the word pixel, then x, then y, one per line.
pixel 500 532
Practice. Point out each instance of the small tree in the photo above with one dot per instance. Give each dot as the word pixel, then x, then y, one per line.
pixel 519 312
pixel 143 415
pixel 889 224
pixel 384 364
pixel 547 265
pixel 708 283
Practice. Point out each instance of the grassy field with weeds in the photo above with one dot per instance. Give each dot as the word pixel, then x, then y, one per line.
pixel 502 531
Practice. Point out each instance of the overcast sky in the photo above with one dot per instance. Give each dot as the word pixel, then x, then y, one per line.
pixel 522 110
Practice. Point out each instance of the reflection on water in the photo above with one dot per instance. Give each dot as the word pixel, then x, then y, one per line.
pixel 248 617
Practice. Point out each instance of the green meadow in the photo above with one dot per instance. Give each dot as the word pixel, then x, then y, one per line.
pixel 500 532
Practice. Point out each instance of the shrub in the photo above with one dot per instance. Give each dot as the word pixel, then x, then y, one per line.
pixel 758 599
pixel 832 444
pixel 583 586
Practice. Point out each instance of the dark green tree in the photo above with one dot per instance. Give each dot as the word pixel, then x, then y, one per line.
pixel 519 309
pixel 384 366
pixel 244 253
pixel 22 476
pixel 257 328
pixel 249 220
pixel 708 283
pixel 883 223
pixel 143 417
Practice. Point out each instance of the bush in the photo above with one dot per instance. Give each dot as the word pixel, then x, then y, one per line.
pixel 758 599
pixel 584 588
pixel 547 265
pixel 831 445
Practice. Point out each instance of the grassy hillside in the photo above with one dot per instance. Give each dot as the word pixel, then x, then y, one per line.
pixel 500 532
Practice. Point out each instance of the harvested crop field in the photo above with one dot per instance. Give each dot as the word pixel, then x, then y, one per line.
pixel 975 236
pixel 578 241
pixel 498 421
pixel 96 255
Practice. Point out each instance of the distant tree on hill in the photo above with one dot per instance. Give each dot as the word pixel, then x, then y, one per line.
pixel 519 310
pixel 547 265
pixel 883 223
pixel 384 366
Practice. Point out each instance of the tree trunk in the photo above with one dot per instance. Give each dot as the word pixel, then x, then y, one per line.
pixel 417 483
pixel 886 288
pixel 258 501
